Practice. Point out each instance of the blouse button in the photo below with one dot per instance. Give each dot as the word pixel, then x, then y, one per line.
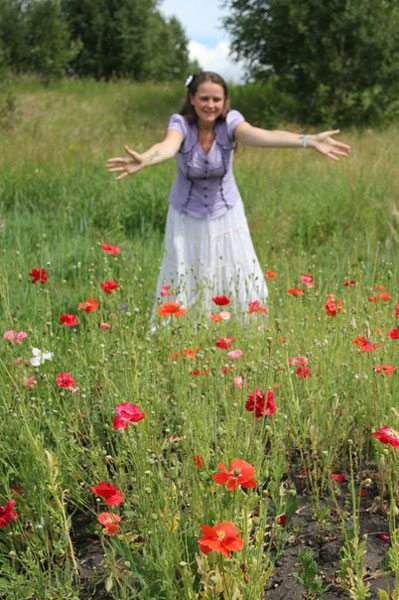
pixel 205 195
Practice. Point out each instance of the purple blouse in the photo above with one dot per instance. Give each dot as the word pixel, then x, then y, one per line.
pixel 205 185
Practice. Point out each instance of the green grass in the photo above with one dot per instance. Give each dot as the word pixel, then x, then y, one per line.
pixel 307 215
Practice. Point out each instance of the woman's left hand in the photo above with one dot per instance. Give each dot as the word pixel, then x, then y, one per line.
pixel 325 144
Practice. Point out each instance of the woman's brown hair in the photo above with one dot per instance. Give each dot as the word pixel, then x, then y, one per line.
pixel 187 108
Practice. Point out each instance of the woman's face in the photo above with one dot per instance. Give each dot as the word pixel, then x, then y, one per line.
pixel 208 102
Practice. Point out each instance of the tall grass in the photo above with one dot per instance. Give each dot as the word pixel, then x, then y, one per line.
pixel 307 215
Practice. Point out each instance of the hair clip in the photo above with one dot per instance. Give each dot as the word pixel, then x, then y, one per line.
pixel 189 80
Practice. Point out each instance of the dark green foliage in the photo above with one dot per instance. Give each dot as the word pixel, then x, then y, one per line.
pixel 92 38
pixel 339 60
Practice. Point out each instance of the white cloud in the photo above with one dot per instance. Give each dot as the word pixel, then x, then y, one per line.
pixel 217 59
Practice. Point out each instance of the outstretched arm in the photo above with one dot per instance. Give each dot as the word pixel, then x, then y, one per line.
pixel 322 142
pixel 154 155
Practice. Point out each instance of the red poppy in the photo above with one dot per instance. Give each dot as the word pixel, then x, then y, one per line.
pixel 349 283
pixel 385 297
pixel 282 519
pixel 110 522
pixel 339 478
pixel 127 413
pixel 174 356
pixel 397 310
pixel 384 537
pixel 224 343
pixel 333 307
pixel 303 372
pixel 299 361
pixel 386 369
pixel 111 249
pixel 38 275
pixel 188 353
pixel 374 299
pixel 198 461
pixel 295 291
pixel 68 320
pixel 197 373
pixel 394 334
pixel 221 300
pixel 165 290
pixel 223 538
pixel 64 380
pixel 307 280
pixel 362 493
pixel 105 326
pixel 216 318
pixel 386 435
pixel 7 513
pixel 171 308
pixel 111 495
pixel 89 306
pixel 364 344
pixel 241 473
pixel 256 307
pixel 379 288
pixel 257 400
pixel 270 274
pixel 108 286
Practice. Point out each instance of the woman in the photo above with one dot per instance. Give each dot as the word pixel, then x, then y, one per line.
pixel 208 248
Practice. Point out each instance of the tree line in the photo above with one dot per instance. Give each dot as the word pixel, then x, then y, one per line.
pixel 92 38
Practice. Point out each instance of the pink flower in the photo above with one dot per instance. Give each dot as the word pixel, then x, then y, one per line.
pixel 105 326
pixel 165 290
pixel 240 382
pixel 234 354
pixel 126 413
pixel 307 280
pixel 31 381
pixel 13 336
pixel 225 315
pixel 64 380
pixel 9 335
pixel 299 361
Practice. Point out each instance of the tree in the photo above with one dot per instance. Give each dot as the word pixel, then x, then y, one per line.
pixel 47 41
pixel 340 59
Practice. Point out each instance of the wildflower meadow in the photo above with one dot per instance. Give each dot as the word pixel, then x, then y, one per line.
pixel 199 460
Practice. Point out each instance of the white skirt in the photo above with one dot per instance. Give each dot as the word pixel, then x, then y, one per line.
pixel 210 257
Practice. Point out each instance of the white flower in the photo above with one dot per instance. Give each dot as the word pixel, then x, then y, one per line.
pixel 39 357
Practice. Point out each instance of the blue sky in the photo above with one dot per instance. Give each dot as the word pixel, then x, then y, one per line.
pixel 208 41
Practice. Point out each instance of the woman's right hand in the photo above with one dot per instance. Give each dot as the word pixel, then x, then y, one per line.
pixel 126 166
